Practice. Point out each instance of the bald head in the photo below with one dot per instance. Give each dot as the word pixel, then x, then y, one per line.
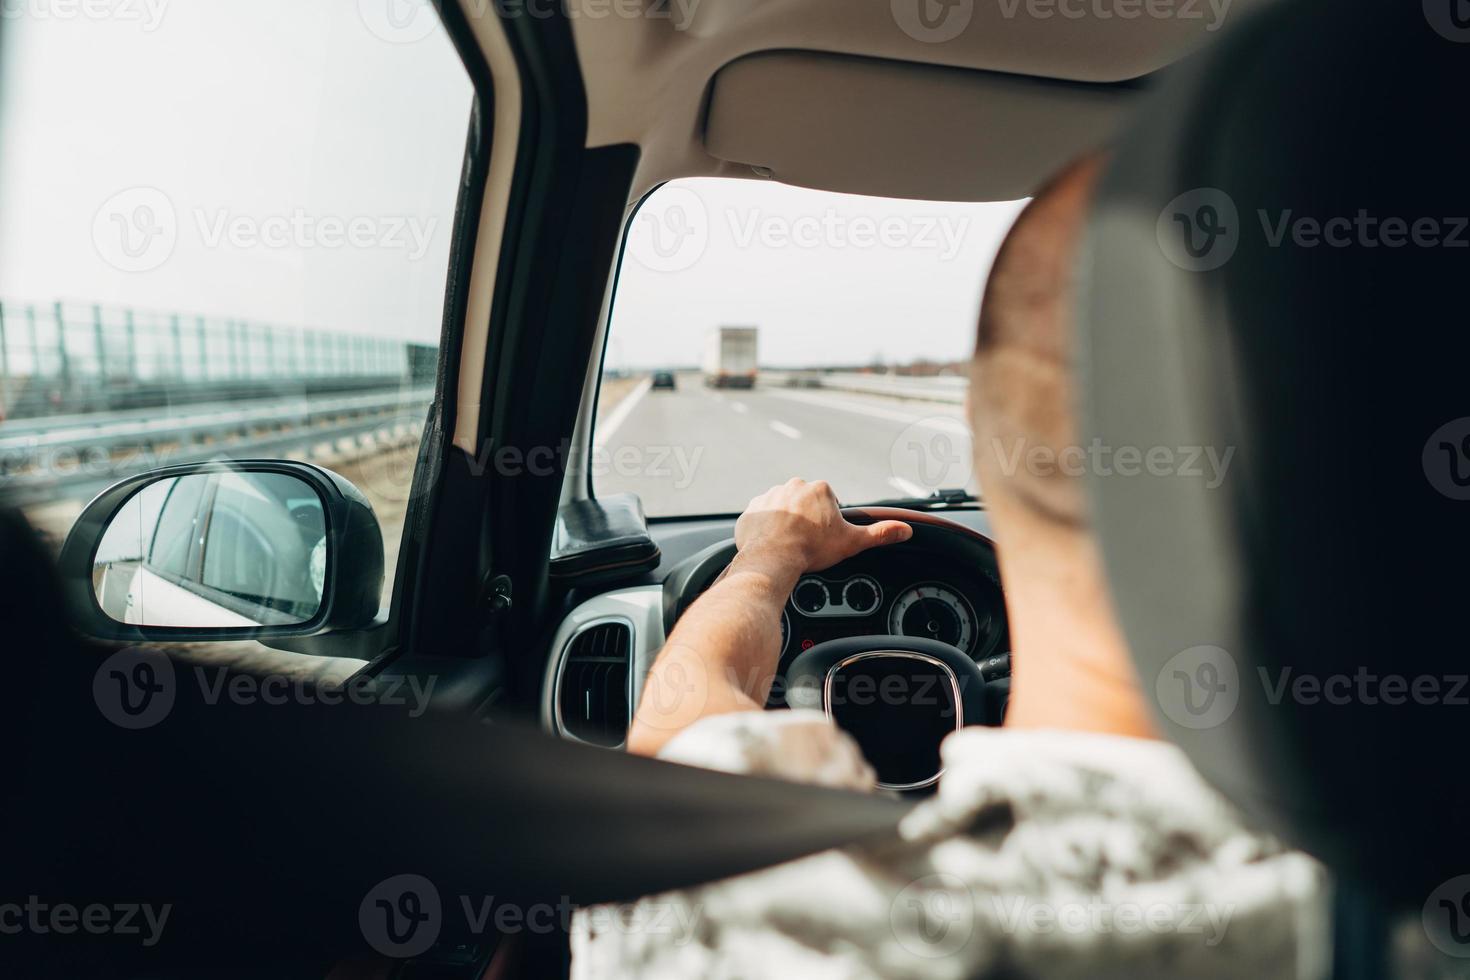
pixel 1023 397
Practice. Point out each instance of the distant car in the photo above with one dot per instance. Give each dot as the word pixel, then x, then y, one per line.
pixel 664 381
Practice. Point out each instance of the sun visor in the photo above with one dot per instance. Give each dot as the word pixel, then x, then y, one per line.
pixel 895 129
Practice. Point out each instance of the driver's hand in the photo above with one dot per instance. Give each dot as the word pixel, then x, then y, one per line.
pixel 800 523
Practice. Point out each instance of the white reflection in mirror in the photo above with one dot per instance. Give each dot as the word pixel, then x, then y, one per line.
pixel 215 550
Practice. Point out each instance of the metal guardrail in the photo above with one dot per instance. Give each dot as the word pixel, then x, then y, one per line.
pixel 73 455
pixel 147 425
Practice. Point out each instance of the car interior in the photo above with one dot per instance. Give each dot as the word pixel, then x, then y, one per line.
pixel 507 634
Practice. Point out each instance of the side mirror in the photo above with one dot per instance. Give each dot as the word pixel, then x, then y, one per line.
pixel 229 550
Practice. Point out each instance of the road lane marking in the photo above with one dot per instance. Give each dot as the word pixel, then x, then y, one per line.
pixel 605 429
pixel 907 488
pixel 783 429
pixel 739 408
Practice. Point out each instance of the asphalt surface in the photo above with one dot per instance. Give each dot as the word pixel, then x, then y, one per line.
pixel 697 450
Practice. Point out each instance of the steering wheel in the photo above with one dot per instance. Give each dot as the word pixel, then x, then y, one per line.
pixel 898 696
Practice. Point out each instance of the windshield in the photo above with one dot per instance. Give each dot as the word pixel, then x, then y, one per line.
pixel 761 331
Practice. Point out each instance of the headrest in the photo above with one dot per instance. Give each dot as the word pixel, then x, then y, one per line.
pixel 1275 363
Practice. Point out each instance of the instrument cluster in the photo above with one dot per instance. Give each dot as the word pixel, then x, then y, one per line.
pixel 908 598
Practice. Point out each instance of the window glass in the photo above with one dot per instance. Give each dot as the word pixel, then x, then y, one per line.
pixel 237 558
pixel 226 234
pixel 177 526
pixel 762 331
pixel 261 542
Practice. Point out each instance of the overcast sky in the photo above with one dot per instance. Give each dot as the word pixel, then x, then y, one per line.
pixel 207 157
pixel 248 118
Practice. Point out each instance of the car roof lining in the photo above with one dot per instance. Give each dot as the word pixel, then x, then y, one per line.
pixel 680 84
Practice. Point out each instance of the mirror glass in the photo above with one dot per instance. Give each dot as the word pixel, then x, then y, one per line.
pixel 225 549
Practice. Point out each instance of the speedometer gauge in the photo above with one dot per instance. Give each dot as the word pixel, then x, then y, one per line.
pixel 935 613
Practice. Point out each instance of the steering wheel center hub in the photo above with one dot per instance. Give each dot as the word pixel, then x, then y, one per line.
pixel 897 696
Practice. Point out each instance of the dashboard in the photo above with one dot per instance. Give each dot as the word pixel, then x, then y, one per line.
pixel 943 584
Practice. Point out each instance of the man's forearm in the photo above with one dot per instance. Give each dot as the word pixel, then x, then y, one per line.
pixel 724 652
pixel 722 655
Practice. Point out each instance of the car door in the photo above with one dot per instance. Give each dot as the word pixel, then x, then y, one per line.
pixel 292 828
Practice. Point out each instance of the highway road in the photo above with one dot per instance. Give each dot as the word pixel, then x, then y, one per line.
pixel 687 452
pixel 698 450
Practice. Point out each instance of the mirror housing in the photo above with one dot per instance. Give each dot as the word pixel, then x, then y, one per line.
pixel 352 580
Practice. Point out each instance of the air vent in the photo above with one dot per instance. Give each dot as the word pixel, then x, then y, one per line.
pixel 592 698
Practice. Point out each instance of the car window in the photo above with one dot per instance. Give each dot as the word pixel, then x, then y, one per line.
pixel 176 536
pixel 259 545
pixel 226 234
pixel 761 331
pixel 238 558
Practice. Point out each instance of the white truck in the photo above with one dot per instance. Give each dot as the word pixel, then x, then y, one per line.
pixel 730 357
